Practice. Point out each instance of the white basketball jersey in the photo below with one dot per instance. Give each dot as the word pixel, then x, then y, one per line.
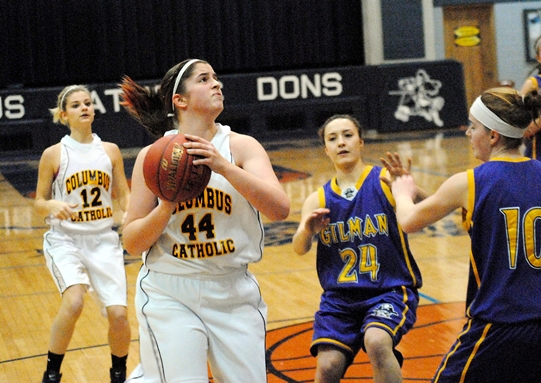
pixel 215 233
pixel 85 178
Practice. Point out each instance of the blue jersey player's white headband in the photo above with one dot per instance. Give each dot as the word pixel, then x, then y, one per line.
pixel 487 117
pixel 179 76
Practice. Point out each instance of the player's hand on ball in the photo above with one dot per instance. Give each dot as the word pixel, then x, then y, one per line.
pixel 171 173
pixel 208 155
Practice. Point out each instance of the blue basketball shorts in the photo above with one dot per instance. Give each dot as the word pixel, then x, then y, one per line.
pixel 493 353
pixel 343 319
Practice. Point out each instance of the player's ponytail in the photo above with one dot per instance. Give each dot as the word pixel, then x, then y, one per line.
pixel 154 108
pixel 145 105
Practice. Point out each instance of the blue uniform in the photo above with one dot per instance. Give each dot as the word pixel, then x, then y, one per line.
pixel 365 267
pixel 501 341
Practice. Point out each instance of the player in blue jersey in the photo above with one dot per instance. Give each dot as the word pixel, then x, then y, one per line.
pixel 364 264
pixel 501 202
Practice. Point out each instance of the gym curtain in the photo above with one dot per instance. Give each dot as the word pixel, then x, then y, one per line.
pixel 60 42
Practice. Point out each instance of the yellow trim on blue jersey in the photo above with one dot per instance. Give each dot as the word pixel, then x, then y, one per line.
pixel 467 220
pixel 510 159
pixel 335 187
pixel 364 174
pixel 386 190
pixel 321 194
pixel 450 353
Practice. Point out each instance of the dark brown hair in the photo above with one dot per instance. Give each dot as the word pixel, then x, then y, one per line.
pixel 321 130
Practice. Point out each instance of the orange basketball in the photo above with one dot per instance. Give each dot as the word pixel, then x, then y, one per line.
pixel 170 173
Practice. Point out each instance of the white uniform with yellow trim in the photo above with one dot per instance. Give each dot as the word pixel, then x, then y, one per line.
pixel 196 300
pixel 86 250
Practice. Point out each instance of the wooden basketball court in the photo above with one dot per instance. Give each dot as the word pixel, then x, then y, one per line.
pixel 29 299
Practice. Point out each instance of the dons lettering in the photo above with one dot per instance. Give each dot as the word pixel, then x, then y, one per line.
pixel 291 87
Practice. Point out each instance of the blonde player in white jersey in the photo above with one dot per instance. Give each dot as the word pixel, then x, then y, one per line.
pixel 196 301
pixel 76 180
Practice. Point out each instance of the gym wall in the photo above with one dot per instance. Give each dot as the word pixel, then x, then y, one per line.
pixel 267 105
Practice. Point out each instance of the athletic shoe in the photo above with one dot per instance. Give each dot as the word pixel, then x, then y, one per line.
pixel 117 376
pixel 51 377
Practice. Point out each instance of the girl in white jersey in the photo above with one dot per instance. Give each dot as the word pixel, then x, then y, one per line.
pixel 76 180
pixel 196 301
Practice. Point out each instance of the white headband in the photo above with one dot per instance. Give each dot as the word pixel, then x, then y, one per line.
pixel 64 96
pixel 487 117
pixel 180 73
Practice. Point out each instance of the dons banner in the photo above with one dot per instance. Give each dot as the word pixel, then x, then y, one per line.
pixel 385 98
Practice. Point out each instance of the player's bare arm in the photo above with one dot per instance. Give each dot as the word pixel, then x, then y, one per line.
pixel 43 204
pixel 313 220
pixel 252 175
pixel 146 220
pixel 451 195
pixel 121 189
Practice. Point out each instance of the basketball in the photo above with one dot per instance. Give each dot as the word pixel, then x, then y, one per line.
pixel 169 170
